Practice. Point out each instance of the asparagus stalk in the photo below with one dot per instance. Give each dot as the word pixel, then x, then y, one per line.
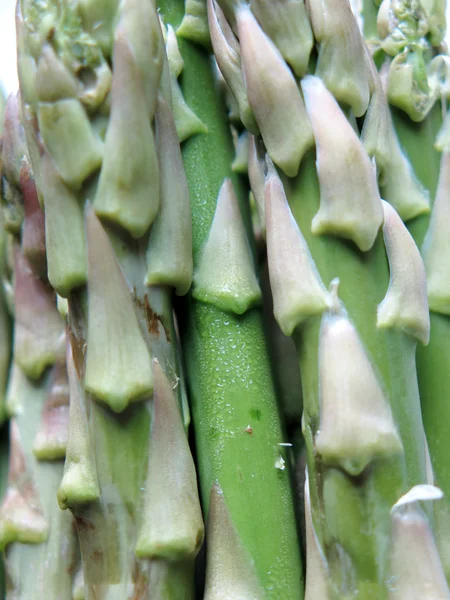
pixel 244 482
pixel 423 137
pixel 39 541
pixel 98 107
pixel 356 346
pixel 120 241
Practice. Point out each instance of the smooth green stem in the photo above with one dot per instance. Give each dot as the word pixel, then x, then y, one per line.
pixel 283 358
pixel 235 414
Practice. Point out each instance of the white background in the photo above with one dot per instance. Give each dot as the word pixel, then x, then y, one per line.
pixel 8 75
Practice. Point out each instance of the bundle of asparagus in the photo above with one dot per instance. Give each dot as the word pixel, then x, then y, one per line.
pixel 131 272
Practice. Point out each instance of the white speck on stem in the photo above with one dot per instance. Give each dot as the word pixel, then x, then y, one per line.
pixel 280 463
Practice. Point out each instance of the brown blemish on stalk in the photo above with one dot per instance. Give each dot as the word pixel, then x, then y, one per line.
pixel 77 331
pixel 79 354
pixel 154 321
pixel 84 524
pixel 97 555
pixel 140 584
pixel 73 566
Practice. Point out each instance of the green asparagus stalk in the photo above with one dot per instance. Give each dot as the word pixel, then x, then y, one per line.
pixel 356 343
pixel 38 540
pixel 109 91
pixel 423 137
pixel 103 114
pixel 252 545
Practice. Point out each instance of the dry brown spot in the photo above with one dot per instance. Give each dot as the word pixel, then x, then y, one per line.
pixel 84 524
pixel 76 332
pixel 97 555
pixel 140 584
pixel 153 320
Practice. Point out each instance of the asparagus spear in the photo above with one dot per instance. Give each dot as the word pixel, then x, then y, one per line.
pixel 356 349
pixel 354 346
pixel 39 541
pixel 423 137
pixel 98 108
pixel 245 484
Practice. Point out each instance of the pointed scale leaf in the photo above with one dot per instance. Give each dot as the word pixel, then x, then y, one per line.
pixel 228 57
pixel 70 140
pixel 273 95
pixel 19 387
pixel 341 64
pixel 356 423
pixel 442 143
pixel 398 183
pixel 317 577
pixel 21 516
pixel 79 484
pixel 14 146
pixel 94 12
pixel 350 204
pixel 416 571
pixel 186 121
pixel 118 362
pixel 53 80
pixel 224 90
pixel 63 307
pixel 165 85
pixel 33 227
pixel 256 175
pixel 437 22
pixel 383 21
pixel 436 246
pixel 194 26
pixel 286 23
pixel 169 254
pixel 405 305
pixel 78 585
pixel 128 187
pixel 172 525
pixel 51 439
pixel 225 275
pixel 239 164
pixel 39 329
pixel 140 32
pixel 12 155
pixel 228 8
pixel 176 62
pixel 297 290
pixel 419 493
pixel 230 572
pixel 65 239
pixel 407 85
